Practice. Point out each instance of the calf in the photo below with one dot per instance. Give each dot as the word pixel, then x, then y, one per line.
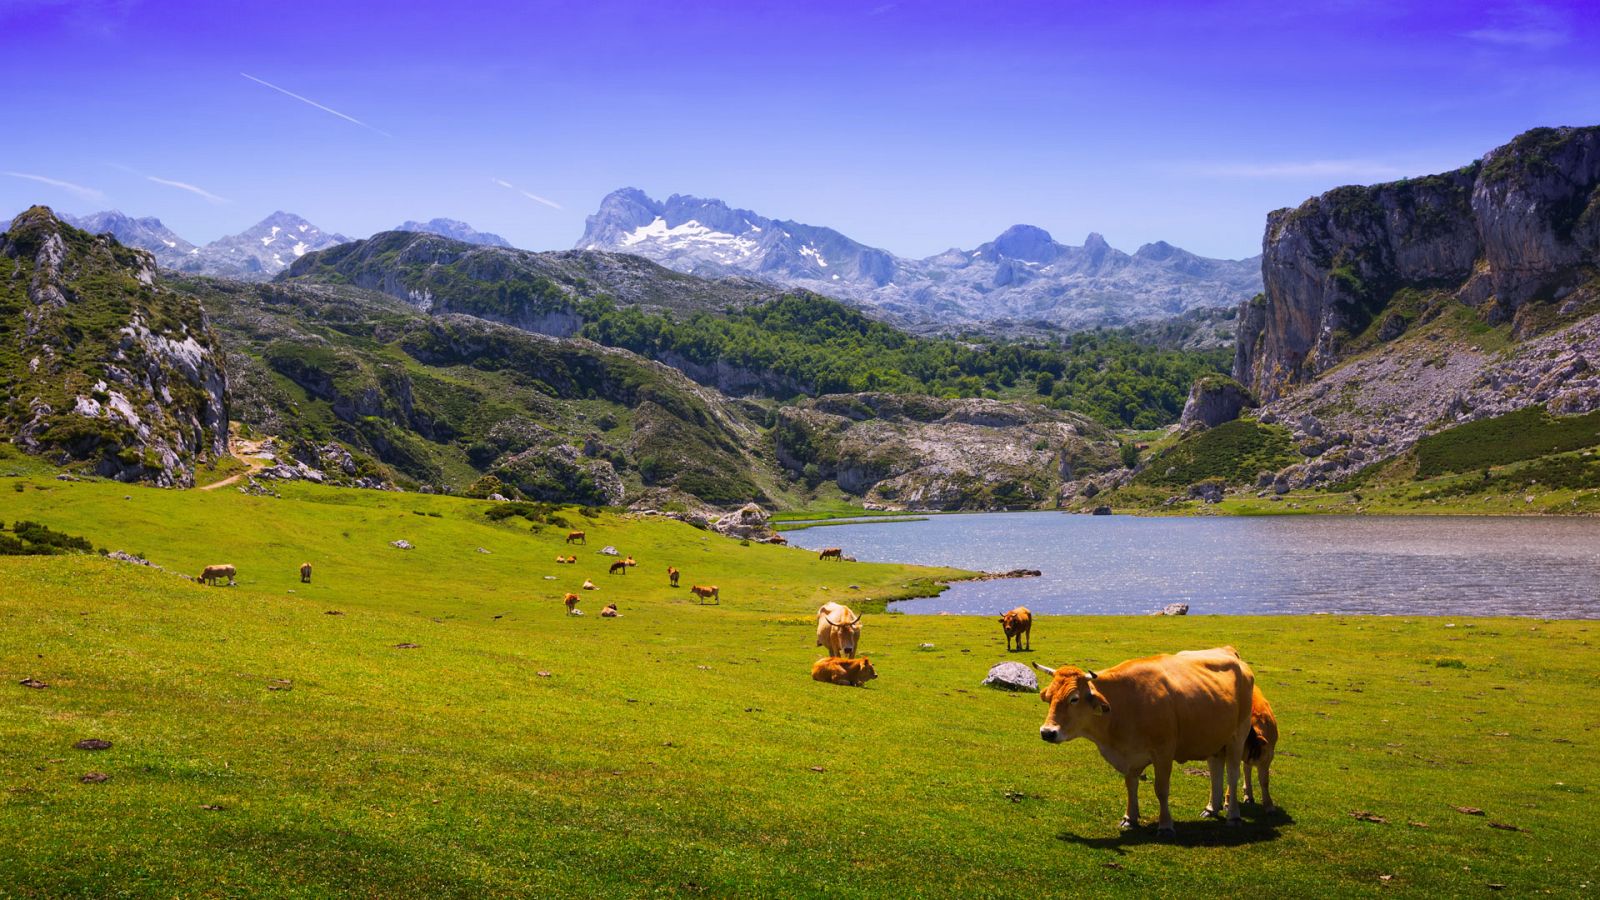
pixel 706 592
pixel 1018 625
pixel 838 670
pixel 1154 712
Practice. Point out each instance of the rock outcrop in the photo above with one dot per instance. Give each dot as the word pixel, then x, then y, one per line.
pixel 102 364
pixel 1358 266
pixel 1212 401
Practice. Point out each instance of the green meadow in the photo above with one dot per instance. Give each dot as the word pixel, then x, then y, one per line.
pixel 429 722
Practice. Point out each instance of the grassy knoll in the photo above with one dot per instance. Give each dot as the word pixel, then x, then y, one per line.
pixel 264 747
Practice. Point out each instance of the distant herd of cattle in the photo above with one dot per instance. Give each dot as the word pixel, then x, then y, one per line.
pixel 1140 714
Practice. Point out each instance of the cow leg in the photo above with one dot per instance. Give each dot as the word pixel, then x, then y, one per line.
pixel 1214 808
pixel 1266 792
pixel 1163 782
pixel 1131 820
pixel 1235 757
pixel 1250 795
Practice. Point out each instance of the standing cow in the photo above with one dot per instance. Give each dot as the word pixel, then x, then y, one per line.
pixel 834 553
pixel 1260 747
pixel 619 566
pixel 1018 625
pixel 212 574
pixel 1154 712
pixel 672 575
pixel 577 537
pixel 838 629
pixel 305 573
pixel 706 592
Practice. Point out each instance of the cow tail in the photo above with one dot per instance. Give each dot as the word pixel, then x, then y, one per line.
pixel 1254 743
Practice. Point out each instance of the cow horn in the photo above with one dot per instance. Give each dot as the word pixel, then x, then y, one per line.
pixel 856 619
pixel 1044 668
pixel 1092 675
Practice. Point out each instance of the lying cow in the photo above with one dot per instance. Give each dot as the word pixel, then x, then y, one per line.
pixel 571 601
pixel 589 585
pixel 305 573
pixel 1259 747
pixel 577 537
pixel 838 629
pixel 838 670
pixel 672 575
pixel 1154 712
pixel 610 612
pixel 619 566
pixel 1018 625
pixel 834 553
pixel 213 574
pixel 629 562
pixel 706 592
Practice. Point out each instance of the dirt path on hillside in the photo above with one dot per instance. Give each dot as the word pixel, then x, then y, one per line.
pixel 247 452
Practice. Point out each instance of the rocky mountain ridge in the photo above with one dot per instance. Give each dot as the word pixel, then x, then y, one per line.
pixel 456 230
pixel 1023 276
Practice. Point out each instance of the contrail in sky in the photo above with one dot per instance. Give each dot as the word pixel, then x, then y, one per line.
pixel 316 104
pixel 86 193
pixel 531 196
pixel 185 186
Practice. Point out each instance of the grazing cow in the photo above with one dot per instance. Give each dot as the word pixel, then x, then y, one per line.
pixel 610 612
pixel 1259 748
pixel 1154 712
pixel 706 592
pixel 1018 625
pixel 672 575
pixel 834 553
pixel 619 566
pixel 577 537
pixel 211 574
pixel 571 601
pixel 589 585
pixel 778 539
pixel 838 670
pixel 838 629
pixel 305 573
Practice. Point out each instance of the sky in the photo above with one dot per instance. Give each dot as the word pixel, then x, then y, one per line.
pixel 909 126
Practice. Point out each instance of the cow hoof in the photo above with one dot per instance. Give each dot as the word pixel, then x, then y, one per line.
pixel 1208 813
pixel 1127 824
pixel 1167 832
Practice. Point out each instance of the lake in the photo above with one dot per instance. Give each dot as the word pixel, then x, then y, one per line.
pixel 1402 565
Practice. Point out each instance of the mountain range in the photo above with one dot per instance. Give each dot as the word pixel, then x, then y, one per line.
pixel 1023 276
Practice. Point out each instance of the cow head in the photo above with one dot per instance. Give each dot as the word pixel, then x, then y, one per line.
pixel 863 670
pixel 1010 622
pixel 1074 703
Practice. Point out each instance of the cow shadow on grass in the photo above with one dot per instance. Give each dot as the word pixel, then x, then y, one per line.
pixel 1258 827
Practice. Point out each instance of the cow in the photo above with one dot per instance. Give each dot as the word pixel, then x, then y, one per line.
pixel 778 539
pixel 610 612
pixel 572 560
pixel 629 562
pixel 834 553
pixel 571 600
pixel 619 566
pixel 1259 748
pixel 706 592
pixel 838 629
pixel 672 575
pixel 1154 712
pixel 577 537
pixel 1018 625
pixel 589 585
pixel 838 670
pixel 211 574
pixel 305 573
pixel 560 560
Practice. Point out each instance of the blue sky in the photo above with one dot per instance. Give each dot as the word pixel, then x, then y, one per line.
pixel 910 126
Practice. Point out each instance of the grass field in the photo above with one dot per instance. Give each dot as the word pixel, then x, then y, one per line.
pixel 261 746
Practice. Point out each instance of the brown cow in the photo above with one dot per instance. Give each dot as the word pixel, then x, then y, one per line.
pixel 610 612
pixel 1018 624
pixel 577 537
pixel 619 566
pixel 834 553
pixel 838 629
pixel 211 574
pixel 672 575
pixel 1154 712
pixel 571 601
pixel 706 592
pixel 838 670
pixel 1259 747
pixel 305 573
pixel 572 560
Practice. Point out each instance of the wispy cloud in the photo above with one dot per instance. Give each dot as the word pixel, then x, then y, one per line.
pixel 311 102
pixel 530 195
pixel 880 9
pixel 1525 26
pixel 1317 168
pixel 185 186
pixel 84 193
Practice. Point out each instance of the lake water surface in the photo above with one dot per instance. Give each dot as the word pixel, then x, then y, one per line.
pixel 1404 565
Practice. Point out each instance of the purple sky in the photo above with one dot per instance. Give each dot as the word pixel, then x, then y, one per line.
pixel 910 126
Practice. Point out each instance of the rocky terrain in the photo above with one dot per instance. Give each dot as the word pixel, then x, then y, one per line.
pixel 100 363
pixel 455 230
pixel 927 453
pixel 1022 278
pixel 148 233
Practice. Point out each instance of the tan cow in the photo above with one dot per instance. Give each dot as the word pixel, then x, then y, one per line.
pixel 833 553
pixel 838 670
pixel 838 629
pixel 577 537
pixel 1154 712
pixel 706 592
pixel 629 562
pixel 589 585
pixel 619 566
pixel 672 575
pixel 1018 625
pixel 561 560
pixel 1259 748
pixel 211 574
pixel 571 600
pixel 305 573
pixel 610 612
